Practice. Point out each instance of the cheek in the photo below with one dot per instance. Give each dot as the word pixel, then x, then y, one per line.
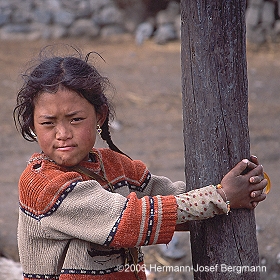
pixel 89 130
pixel 44 140
pixel 88 136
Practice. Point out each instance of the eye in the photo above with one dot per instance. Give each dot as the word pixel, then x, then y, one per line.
pixel 48 123
pixel 76 120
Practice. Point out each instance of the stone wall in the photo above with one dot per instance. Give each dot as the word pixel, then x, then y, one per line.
pixel 34 19
pixel 263 21
pixel 53 19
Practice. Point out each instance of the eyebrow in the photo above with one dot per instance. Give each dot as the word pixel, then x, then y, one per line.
pixel 71 114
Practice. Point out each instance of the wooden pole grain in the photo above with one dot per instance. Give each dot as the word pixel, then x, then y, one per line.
pixel 216 134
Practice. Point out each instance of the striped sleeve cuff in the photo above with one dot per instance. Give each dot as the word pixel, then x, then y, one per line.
pixel 146 221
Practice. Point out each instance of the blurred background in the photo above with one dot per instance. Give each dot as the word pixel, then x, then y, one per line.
pixel 140 43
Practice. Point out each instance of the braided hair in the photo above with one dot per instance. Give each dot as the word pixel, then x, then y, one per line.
pixel 70 72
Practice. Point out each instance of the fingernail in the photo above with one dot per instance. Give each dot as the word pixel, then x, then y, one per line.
pixel 254 156
pixel 245 160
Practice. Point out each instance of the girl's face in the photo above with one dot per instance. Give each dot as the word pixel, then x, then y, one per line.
pixel 65 125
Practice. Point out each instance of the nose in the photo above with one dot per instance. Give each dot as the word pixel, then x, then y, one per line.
pixel 63 132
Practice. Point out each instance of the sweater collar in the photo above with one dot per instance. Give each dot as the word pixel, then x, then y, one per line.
pixel 94 163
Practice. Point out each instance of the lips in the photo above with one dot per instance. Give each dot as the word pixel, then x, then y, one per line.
pixel 65 148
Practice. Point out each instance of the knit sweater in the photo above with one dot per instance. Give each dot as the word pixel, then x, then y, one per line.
pixel 73 227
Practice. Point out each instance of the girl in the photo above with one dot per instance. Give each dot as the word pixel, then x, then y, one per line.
pixel 85 212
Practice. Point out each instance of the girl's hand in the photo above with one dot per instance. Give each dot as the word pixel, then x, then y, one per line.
pixel 244 184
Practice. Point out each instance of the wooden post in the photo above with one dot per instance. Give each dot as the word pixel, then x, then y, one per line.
pixel 216 135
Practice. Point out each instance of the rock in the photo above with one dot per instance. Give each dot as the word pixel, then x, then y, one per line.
pixel 256 2
pixel 277 27
pixel 4 18
pixel 110 30
pixel 81 9
pixel 165 33
pixel 53 5
pixel 84 27
pixel 257 35
pixel 169 14
pixel 63 18
pixel 177 26
pixel 167 24
pixel 57 31
pixel 173 249
pixel 253 16
pixel 98 5
pixel 109 15
pixel 267 16
pixel 19 32
pixel 10 270
pixel 134 14
pixel 116 125
pixel 278 258
pixel 42 16
pixel 143 32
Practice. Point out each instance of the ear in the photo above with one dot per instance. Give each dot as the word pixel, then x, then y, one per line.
pixel 102 115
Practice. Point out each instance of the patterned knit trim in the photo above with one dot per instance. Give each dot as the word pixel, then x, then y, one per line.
pixel 91 271
pixel 150 222
pixel 131 184
pixel 82 272
pixel 40 276
pixel 150 218
pixel 134 171
pixel 54 207
pixel 158 206
pixel 79 272
pixel 98 272
pixel 115 227
pixel 39 157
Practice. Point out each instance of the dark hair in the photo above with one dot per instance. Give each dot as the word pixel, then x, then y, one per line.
pixel 70 72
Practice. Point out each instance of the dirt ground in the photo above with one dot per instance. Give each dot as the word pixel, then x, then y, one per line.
pixel 147 79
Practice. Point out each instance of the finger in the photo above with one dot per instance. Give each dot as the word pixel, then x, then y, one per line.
pixel 257 171
pixel 259 186
pixel 259 198
pixel 241 167
pixel 255 194
pixel 254 204
pixel 254 159
pixel 251 165
pixel 256 179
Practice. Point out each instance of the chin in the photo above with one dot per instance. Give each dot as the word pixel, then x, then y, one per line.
pixel 67 163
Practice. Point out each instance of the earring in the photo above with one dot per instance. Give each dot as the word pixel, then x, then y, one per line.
pixel 99 130
pixel 33 134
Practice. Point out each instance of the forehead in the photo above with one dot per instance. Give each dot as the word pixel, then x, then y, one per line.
pixel 62 101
